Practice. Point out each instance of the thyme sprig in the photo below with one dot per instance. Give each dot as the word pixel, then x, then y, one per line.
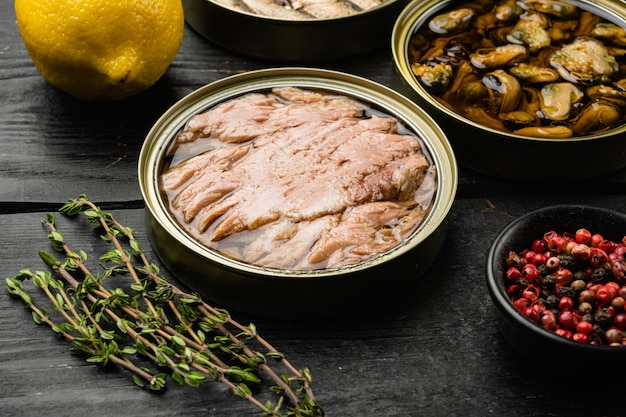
pixel 185 337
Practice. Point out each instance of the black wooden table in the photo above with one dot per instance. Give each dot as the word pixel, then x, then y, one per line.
pixel 433 352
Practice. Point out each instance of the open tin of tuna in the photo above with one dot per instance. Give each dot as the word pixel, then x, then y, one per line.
pixel 296 39
pixel 520 87
pixel 247 179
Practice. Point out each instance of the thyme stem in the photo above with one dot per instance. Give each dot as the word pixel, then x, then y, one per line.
pixel 161 322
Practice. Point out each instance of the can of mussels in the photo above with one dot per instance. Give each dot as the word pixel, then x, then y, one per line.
pixel 520 86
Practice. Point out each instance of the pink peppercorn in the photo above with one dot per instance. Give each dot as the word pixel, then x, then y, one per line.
pixel 557 244
pixel 597 257
pixel 530 272
pixel 563 276
pixel 521 304
pixel 613 286
pixel 581 251
pixel 539 259
pixel 514 260
pixel 565 333
pixel 513 273
pixel 553 262
pixel 531 293
pixel 604 295
pixel 608 246
pixel 620 321
pixel 548 320
pixel 568 319
pixel 584 327
pixel 582 236
pixel 539 246
pixel 566 303
pixel 595 240
pixel 513 290
pixel 528 256
pixel 618 267
pixel 534 312
pixel 580 337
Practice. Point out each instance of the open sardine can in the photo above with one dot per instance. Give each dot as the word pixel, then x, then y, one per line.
pixel 527 90
pixel 294 31
pixel 297 192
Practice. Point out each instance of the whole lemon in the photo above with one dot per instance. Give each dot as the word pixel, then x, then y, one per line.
pixel 101 49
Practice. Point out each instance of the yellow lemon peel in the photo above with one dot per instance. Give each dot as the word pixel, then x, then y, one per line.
pixel 101 49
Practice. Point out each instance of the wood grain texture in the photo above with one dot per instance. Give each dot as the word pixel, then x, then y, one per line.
pixel 433 351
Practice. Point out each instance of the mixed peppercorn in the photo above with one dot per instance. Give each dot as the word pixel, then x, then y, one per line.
pixel 573 284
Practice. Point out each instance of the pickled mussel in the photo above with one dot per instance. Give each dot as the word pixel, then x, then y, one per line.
pixel 508 11
pixel 530 74
pixel 498 57
pixel 585 61
pixel 507 87
pixel 542 68
pixel 450 22
pixel 556 8
pixel 531 30
pixel 610 32
pixel 558 100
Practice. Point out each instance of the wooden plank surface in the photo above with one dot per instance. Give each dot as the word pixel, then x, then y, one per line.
pixel 435 351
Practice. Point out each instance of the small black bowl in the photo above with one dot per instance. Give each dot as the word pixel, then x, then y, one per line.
pixel 529 338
